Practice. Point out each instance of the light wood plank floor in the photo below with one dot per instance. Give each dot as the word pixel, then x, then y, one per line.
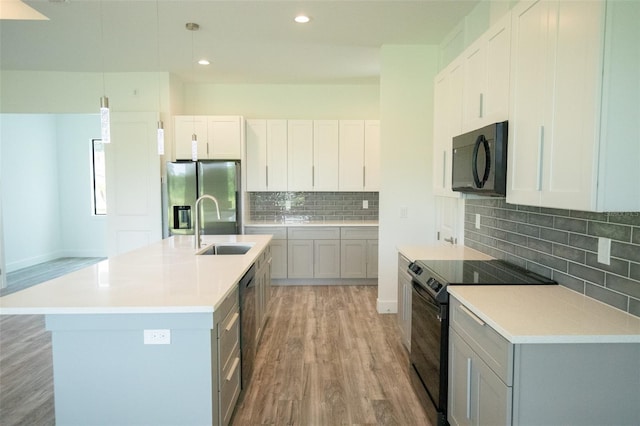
pixel 326 358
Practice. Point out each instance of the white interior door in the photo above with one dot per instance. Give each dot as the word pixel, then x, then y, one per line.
pixel 134 210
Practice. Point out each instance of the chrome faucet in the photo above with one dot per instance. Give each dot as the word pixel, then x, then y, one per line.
pixel 197 242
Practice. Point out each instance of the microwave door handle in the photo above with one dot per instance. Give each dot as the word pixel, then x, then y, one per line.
pixel 487 161
pixel 474 162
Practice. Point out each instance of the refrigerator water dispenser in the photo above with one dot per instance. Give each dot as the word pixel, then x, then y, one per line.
pixel 181 217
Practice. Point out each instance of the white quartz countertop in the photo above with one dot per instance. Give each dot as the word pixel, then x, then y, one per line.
pixel 314 223
pixel 441 252
pixel 164 277
pixel 547 314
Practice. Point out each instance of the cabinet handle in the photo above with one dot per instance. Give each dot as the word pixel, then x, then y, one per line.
pixel 444 169
pixel 266 176
pixel 233 369
pixel 313 176
pixel 540 158
pixel 364 176
pixel 481 112
pixel 468 388
pixel 472 315
pixel 232 322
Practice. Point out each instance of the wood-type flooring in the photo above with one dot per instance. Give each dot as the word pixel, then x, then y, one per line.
pixel 326 358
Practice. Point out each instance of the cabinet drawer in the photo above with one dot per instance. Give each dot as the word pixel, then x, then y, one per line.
pixel 314 233
pixel 494 349
pixel 278 232
pixel 359 233
pixel 229 388
pixel 227 304
pixel 229 338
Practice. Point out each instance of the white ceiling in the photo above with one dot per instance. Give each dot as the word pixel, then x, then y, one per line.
pixel 246 41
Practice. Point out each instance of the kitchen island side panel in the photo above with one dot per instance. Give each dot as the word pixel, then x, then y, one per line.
pixel 104 374
pixel 577 384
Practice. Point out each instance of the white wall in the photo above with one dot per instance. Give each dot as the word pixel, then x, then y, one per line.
pixel 406 115
pixel 30 196
pixel 82 233
pixel 46 193
pixel 284 100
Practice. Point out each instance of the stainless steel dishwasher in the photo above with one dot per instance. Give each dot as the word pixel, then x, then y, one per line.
pixel 247 324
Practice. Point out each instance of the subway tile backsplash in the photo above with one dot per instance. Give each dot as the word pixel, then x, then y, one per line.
pixel 563 245
pixel 312 206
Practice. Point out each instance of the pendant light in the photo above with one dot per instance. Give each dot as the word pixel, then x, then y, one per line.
pixel 192 26
pixel 105 116
pixel 160 131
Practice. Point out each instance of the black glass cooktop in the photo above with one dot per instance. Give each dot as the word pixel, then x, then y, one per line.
pixel 480 272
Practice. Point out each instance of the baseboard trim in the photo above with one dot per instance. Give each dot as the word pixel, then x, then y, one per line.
pixel 320 281
pixel 387 306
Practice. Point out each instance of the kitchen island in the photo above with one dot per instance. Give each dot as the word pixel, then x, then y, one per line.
pixel 138 338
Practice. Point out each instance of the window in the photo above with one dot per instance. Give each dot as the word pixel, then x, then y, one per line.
pixel 99 186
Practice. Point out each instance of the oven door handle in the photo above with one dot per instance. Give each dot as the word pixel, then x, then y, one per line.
pixel 424 295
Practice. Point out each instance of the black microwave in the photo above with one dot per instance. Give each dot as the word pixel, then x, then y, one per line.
pixel 480 161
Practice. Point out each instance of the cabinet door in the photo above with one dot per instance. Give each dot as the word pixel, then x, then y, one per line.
pixel 185 126
pixel 372 258
pixel 277 155
pixel 571 121
pixel 495 101
pixel 326 259
pixel 372 155
pixel 300 155
pixel 353 255
pixel 224 137
pixel 256 151
pixel 351 155
pixel 326 150
pixel 530 47
pixel 279 259
pixel 475 85
pixel 477 396
pixel 300 258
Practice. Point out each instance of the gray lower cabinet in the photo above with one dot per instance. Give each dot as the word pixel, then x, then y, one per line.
pixel 313 252
pixel 229 377
pixel 404 301
pixel 263 289
pixel 359 252
pixel 322 252
pixel 278 247
pixel 495 382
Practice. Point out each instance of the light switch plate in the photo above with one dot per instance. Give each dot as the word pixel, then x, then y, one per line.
pixel 365 204
pixel 477 221
pixel 604 250
pixel 404 212
pixel 287 205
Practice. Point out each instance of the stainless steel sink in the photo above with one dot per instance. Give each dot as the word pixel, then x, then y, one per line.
pixel 225 249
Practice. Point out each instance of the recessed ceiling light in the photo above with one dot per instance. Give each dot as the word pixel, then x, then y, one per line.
pixel 203 62
pixel 302 19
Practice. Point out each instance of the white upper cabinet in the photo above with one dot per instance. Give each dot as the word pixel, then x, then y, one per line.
pixel 486 77
pixel 218 137
pixel 224 137
pixel 447 123
pixel 326 149
pixel 266 164
pixel 574 109
pixel 185 126
pixel 300 155
pixel 359 151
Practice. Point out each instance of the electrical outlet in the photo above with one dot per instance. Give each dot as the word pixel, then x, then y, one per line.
pixel 477 221
pixel 604 250
pixel 404 212
pixel 287 205
pixel 157 337
pixel 365 204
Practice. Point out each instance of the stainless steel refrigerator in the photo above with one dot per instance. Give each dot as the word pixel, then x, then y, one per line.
pixel 188 180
